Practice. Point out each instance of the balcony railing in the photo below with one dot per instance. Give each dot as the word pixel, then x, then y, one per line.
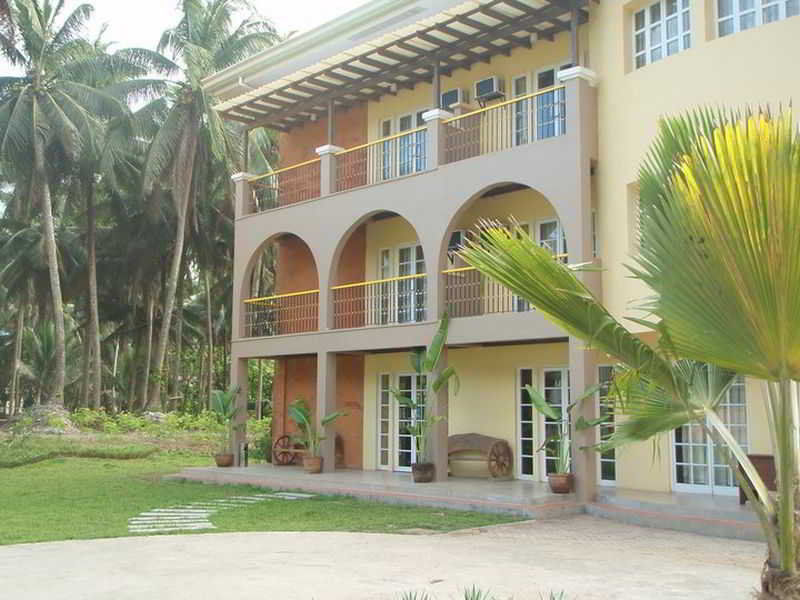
pixel 380 302
pixel 282 314
pixel 384 159
pixel 469 293
pixel 286 186
pixel 512 123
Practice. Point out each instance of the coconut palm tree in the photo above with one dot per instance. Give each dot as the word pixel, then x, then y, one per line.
pixel 48 107
pixel 720 249
pixel 205 41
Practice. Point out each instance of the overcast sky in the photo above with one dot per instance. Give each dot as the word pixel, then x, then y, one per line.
pixel 140 22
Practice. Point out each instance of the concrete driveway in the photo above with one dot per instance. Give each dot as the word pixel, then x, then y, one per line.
pixel 589 558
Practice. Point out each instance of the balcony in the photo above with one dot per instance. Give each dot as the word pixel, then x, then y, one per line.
pixel 382 302
pixel 283 314
pixel 443 141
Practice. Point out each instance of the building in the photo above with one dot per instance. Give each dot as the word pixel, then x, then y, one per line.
pixel 403 123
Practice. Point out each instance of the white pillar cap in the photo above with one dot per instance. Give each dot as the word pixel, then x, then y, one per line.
pixel 436 113
pixel 241 176
pixel 578 73
pixel 328 149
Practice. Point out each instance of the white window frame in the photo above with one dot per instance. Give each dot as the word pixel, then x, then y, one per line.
pixel 396 412
pixel 565 398
pixel 526 109
pixel 534 476
pixel 758 9
pixel 658 49
pixel 562 237
pixel 390 448
pixel 710 488
pixel 600 459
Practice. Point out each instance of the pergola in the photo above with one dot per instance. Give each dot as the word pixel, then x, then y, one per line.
pixel 456 38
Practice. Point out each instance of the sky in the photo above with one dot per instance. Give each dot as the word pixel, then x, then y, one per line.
pixel 139 23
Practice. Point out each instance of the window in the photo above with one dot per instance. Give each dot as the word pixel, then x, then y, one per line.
pixel 519 87
pixel 661 29
pixel 455 244
pixel 738 15
pixel 552 237
pixel 550 111
pixel 608 459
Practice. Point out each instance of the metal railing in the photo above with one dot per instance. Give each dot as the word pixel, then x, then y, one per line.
pixel 296 312
pixel 381 302
pixel 469 293
pixel 384 159
pixel 286 186
pixel 501 126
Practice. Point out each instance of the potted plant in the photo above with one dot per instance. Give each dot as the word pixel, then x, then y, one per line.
pixel 561 481
pixel 223 404
pixel 309 435
pixel 423 423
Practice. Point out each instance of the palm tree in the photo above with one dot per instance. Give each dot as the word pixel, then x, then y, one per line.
pixel 720 231
pixel 48 107
pixel 204 41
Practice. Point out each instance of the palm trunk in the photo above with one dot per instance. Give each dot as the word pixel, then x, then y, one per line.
pixel 86 367
pixel 259 406
pixel 18 333
pixel 175 391
pixel 48 225
pixel 94 315
pixel 144 400
pixel 780 578
pixel 183 170
pixel 209 337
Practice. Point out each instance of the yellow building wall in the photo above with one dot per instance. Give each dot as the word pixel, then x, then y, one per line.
pixel 386 233
pixel 486 402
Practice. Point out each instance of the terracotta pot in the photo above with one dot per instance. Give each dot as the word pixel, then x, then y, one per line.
pixel 423 472
pixel 312 464
pixel 560 483
pixel 224 460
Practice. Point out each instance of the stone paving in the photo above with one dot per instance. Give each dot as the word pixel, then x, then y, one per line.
pixel 197 515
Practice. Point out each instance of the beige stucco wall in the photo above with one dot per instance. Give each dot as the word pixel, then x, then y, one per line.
pixel 486 402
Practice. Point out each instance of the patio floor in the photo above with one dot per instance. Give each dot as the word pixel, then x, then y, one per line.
pixel 524 498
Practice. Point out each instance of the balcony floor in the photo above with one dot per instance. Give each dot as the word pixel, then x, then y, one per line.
pixel 524 498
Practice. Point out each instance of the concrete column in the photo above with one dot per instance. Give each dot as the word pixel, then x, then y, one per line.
pixel 438 405
pixel 242 194
pixel 326 404
pixel 239 377
pixel 583 374
pixel 433 119
pixel 327 168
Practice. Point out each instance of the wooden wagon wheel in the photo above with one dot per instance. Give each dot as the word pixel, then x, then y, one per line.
pixel 500 459
pixel 283 451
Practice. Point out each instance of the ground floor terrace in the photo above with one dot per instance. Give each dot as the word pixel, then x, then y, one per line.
pixel 370 450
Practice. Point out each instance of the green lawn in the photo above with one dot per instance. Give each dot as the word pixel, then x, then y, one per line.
pixel 81 498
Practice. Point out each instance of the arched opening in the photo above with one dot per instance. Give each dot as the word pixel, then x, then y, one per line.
pixel 467 293
pixel 281 288
pixel 379 275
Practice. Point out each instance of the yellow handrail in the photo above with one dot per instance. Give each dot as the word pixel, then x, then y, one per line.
pixel 390 279
pixel 458 270
pixel 283 170
pixel 505 103
pixel 278 296
pixel 382 140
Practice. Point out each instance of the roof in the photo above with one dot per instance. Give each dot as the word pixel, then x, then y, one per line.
pixel 450 39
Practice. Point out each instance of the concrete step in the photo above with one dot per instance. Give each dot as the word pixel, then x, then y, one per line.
pixel 704 515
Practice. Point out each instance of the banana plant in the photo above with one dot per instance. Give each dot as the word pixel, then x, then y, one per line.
pixel 425 363
pixel 310 436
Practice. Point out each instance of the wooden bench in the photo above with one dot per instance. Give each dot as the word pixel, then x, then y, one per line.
pixel 765 466
pixel 495 452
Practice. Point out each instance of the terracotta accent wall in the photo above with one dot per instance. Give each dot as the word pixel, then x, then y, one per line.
pixel 295 270
pixel 300 144
pixel 296 377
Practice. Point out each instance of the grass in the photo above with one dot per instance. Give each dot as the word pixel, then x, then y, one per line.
pixel 45 447
pixel 82 498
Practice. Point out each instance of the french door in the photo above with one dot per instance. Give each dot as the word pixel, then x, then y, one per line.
pixel 700 465
pixel 534 428
pixel 411 292
pixel 397 445
pixel 411 146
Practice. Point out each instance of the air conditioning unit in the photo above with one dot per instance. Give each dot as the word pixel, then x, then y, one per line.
pixel 451 97
pixel 490 88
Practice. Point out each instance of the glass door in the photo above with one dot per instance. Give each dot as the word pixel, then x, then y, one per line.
pixel 700 464
pixel 414 387
pixel 411 292
pixel 608 459
pixel 555 388
pixel 550 106
pixel 521 111
pixel 526 426
pixel 384 421
pixel 387 158
pixel 551 236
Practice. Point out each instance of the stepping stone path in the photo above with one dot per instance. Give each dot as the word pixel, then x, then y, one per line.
pixel 197 515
